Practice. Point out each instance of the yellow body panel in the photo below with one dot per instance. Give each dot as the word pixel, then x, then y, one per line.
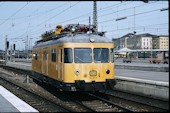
pixel 84 69
pixel 65 72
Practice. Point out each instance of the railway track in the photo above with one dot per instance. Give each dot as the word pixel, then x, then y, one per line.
pixel 37 101
pixel 71 104
pixel 85 102
pixel 92 105
pixel 97 102
pixel 113 104
pixel 138 102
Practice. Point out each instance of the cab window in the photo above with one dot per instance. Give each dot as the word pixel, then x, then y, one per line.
pixel 82 55
pixel 101 55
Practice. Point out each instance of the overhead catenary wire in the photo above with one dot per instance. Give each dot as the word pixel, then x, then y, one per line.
pixel 57 8
pixel 131 15
pixel 58 13
pixel 42 28
pixel 138 27
pixel 37 9
pixel 41 13
pixel 84 15
pixel 87 13
pixel 100 15
pixel 14 13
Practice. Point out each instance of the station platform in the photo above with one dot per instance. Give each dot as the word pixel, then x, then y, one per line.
pixel 143 66
pixel 11 103
pixel 135 70
pixel 144 75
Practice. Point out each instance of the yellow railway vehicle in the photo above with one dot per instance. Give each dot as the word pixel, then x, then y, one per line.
pixel 75 60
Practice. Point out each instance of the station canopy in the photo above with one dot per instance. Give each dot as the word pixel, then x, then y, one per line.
pixel 124 50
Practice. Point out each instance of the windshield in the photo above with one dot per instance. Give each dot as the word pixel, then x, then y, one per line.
pixel 101 55
pixel 82 55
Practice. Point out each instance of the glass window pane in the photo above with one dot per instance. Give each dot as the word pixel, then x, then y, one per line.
pixel 53 55
pixel 61 55
pixel 101 55
pixel 68 55
pixel 112 54
pixel 36 56
pixel 82 55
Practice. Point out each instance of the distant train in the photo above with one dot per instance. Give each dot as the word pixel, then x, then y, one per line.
pixel 74 58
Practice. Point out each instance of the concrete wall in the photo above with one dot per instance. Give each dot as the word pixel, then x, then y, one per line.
pixel 143 87
pixel 144 68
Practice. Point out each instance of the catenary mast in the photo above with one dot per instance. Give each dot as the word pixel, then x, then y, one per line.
pixel 95 15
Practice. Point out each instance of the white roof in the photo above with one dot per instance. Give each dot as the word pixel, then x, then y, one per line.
pixel 139 50
pixel 124 50
pixel 152 50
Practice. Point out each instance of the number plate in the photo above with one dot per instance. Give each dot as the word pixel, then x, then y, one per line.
pixel 93 73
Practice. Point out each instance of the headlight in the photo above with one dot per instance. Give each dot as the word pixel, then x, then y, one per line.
pixel 77 72
pixel 73 29
pixel 92 39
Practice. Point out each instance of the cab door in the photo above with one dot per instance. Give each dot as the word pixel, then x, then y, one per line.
pixel 60 64
pixel 45 61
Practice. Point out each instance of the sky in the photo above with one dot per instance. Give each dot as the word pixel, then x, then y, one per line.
pixel 20 20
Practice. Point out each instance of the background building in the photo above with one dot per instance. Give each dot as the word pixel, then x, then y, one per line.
pixel 142 41
pixel 2 54
pixel 155 42
pixel 163 42
pixel 116 42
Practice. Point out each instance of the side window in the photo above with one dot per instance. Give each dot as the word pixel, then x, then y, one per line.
pixel 61 55
pixel 68 55
pixel 36 55
pixel 53 55
pixel 112 54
